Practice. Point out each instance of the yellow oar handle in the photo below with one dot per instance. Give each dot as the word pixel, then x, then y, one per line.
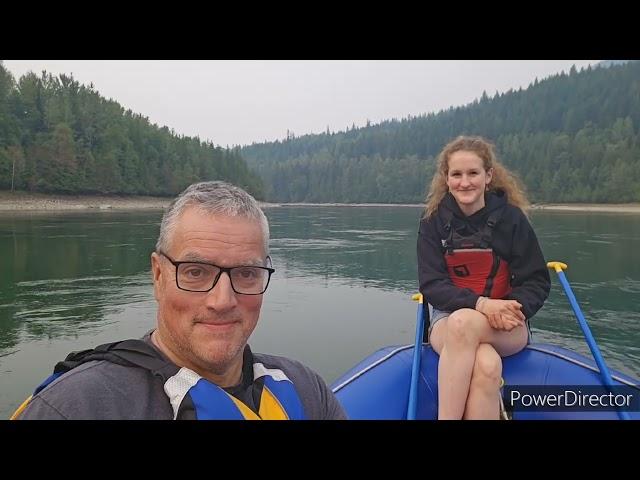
pixel 417 297
pixel 22 406
pixel 557 266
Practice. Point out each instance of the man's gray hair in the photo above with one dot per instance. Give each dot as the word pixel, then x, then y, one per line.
pixel 215 198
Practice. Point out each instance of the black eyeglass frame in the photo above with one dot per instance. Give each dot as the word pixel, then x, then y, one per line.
pixel 222 270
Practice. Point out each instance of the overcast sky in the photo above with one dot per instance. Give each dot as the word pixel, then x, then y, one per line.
pixel 240 102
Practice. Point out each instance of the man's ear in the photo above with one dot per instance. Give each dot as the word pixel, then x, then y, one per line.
pixel 156 273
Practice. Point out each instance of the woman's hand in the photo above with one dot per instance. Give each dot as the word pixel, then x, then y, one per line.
pixel 501 314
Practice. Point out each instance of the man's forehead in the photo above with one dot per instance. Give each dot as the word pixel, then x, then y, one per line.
pixel 203 235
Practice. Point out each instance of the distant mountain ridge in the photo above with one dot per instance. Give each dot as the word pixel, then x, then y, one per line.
pixel 572 137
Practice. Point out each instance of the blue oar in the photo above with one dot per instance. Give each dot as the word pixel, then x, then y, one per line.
pixel 417 354
pixel 593 346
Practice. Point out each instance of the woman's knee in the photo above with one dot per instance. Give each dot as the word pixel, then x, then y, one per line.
pixel 462 326
pixel 487 368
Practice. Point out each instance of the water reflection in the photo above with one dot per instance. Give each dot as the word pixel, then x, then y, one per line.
pixel 61 273
pixel 373 246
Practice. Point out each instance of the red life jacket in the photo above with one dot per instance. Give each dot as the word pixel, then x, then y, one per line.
pixel 473 264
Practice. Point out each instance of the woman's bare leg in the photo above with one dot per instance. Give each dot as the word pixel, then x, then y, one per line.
pixel 483 402
pixel 456 338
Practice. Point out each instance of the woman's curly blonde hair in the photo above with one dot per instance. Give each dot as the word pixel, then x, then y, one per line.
pixel 502 178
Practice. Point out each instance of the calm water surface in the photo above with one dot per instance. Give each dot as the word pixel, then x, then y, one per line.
pixel 342 288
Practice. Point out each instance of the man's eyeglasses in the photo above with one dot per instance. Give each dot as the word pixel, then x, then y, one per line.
pixel 202 277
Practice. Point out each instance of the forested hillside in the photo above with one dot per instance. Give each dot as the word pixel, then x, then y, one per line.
pixel 572 137
pixel 58 136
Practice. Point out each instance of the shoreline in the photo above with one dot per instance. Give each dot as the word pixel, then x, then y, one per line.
pixel 589 207
pixel 26 202
pixel 21 201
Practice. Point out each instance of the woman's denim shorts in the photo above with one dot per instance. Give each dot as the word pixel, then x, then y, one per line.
pixel 435 315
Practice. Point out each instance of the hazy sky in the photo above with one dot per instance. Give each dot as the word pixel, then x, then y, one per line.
pixel 240 102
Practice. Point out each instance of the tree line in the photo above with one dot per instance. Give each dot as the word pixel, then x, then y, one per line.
pixel 572 137
pixel 58 136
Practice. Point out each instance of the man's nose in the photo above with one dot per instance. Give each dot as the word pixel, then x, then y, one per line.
pixel 222 297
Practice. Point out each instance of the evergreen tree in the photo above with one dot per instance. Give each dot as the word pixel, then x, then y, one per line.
pixel 59 136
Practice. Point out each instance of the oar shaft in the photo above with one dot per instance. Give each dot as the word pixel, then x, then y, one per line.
pixel 415 369
pixel 593 346
pixel 585 328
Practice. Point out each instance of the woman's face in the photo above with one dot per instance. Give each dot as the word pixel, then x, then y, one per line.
pixel 467 180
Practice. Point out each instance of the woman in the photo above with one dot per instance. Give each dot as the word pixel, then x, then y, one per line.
pixel 481 268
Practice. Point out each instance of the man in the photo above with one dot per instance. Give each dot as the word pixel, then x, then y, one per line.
pixel 210 270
